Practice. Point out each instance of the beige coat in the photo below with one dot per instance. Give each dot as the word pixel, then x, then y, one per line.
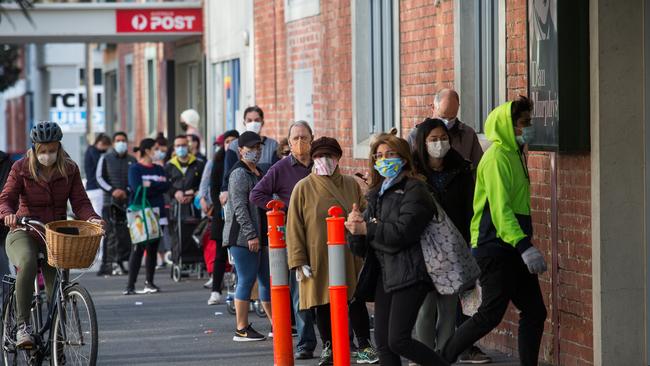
pixel 307 232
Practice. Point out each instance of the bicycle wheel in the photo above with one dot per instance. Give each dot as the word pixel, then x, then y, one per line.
pixel 74 336
pixel 11 355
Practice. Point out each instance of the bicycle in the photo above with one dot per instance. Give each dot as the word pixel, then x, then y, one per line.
pixel 70 325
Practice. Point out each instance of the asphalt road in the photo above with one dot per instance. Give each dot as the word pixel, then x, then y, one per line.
pixel 174 327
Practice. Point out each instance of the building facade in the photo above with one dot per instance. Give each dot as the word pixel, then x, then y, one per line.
pixel 353 68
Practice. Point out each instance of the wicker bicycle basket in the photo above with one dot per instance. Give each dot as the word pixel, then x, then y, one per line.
pixel 72 251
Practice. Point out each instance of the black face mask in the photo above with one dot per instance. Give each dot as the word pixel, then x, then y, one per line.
pixel 184 126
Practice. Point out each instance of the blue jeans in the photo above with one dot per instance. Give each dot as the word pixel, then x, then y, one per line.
pixel 304 318
pixel 249 266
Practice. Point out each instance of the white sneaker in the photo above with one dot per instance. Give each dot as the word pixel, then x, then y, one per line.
pixel 208 284
pixel 215 298
pixel 270 335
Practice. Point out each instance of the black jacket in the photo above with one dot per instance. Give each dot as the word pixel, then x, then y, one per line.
pixel 391 248
pixel 91 160
pixel 184 181
pixel 113 173
pixel 216 175
pixel 456 194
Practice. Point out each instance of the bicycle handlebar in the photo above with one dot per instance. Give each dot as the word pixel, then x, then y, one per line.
pixel 25 221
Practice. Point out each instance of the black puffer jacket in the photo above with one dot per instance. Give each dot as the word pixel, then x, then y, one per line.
pixel 395 222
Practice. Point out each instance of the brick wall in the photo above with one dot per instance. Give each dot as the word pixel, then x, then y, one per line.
pixel 323 42
pixel 140 107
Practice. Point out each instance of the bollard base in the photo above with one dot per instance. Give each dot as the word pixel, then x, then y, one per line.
pixel 340 326
pixel 282 341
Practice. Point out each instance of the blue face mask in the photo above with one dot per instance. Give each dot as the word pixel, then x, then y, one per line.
pixel 120 147
pixel 181 151
pixel 527 135
pixel 389 168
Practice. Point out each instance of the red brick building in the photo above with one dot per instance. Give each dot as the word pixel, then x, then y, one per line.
pixel 426 39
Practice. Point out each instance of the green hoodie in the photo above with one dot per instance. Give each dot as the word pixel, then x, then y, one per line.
pixel 501 221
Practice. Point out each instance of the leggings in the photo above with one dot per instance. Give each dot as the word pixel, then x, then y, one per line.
pixel 395 315
pixel 250 265
pixel 22 250
pixel 136 261
pixel 359 320
pixel 219 268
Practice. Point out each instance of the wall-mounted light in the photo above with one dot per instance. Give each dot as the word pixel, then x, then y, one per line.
pixel 247 38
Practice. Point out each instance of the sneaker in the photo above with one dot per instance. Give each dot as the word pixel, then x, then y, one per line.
pixel 474 356
pixel 247 334
pixel 303 355
pixel 161 266
pixel 104 270
pixel 208 284
pixel 150 288
pixel 24 337
pixel 215 298
pixel 326 357
pixel 270 335
pixel 128 291
pixel 367 355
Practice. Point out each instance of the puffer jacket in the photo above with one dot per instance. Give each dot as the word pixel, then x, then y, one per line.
pixel 395 221
pixel 45 201
pixel 113 173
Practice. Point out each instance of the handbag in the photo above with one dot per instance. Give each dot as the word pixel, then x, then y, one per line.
pixel 200 230
pixel 449 263
pixel 143 220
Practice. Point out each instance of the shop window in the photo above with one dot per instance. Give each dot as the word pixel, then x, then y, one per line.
pixel 375 70
pixel 227 93
pixel 480 51
pixel 152 117
pixel 298 9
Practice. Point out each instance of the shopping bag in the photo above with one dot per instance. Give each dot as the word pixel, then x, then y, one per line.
pixel 143 220
pixel 448 260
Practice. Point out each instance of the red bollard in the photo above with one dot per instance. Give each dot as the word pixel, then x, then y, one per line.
pixel 280 299
pixel 336 247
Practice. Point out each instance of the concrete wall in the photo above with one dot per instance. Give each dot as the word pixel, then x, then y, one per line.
pixel 618 181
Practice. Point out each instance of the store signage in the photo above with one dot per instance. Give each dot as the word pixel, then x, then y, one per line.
pixel 159 21
pixel 68 109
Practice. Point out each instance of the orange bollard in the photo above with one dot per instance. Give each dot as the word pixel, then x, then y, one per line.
pixel 280 298
pixel 338 286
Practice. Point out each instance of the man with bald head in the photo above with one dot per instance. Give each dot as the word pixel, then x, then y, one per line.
pixel 463 137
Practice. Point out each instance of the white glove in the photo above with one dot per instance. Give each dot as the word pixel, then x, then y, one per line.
pixel 534 259
pixel 303 272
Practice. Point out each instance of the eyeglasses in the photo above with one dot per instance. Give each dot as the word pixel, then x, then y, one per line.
pixel 386 155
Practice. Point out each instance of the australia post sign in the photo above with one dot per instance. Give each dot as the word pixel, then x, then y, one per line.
pixel 159 20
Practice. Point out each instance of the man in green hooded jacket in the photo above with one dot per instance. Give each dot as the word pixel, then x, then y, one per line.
pixel 502 234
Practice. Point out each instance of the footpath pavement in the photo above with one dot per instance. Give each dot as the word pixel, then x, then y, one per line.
pixel 176 326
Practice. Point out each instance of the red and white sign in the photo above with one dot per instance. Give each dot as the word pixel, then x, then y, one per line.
pixel 159 21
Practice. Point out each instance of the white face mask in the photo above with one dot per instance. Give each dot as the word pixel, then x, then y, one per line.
pixel 438 149
pixel 254 127
pixel 47 159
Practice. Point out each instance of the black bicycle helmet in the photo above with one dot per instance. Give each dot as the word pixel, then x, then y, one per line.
pixel 46 131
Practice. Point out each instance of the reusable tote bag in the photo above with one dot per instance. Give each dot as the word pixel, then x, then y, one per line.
pixel 448 260
pixel 143 219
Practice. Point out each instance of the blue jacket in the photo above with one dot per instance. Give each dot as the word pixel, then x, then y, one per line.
pixel 159 184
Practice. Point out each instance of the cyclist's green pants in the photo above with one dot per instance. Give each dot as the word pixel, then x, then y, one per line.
pixel 22 250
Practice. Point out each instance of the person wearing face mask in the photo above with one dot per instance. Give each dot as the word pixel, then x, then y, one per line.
pixel 462 137
pixel 253 121
pixel 39 186
pixel 91 160
pixel 216 228
pixel 279 182
pixel 451 180
pixel 184 172
pixel 160 158
pixel 387 235
pixel 113 177
pixel 244 235
pixel 306 240
pixel 502 235
pixel 189 122
pixel 145 174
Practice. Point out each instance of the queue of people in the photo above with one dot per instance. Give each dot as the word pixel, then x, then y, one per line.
pixel 440 169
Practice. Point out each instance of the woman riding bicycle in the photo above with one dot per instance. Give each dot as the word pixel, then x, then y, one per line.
pixel 39 187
